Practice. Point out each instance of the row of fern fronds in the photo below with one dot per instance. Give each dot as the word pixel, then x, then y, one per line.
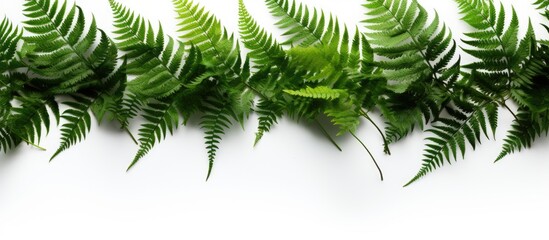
pixel 401 64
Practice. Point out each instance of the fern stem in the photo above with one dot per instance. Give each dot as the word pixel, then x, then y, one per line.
pixel 370 153
pixel 385 142
pixel 34 145
pixel 511 111
pixel 257 92
pixel 131 135
pixel 328 135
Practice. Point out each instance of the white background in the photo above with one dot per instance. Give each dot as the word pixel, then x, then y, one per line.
pixel 293 185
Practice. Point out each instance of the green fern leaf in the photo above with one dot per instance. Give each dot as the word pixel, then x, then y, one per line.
pixel 526 128
pixel 214 122
pixel 417 57
pixel 78 124
pixel 9 37
pixel 54 37
pixel 416 51
pixel 318 93
pixel 30 118
pixel 264 49
pixel 497 48
pixel 161 118
pixel 268 114
pixel 452 135
pixel 205 31
pixel 301 27
pixel 161 67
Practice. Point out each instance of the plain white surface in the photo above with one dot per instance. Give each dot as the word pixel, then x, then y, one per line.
pixel 294 185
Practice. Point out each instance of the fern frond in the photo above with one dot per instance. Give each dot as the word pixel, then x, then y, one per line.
pixel 8 140
pixel 215 121
pixel 541 4
pixel 31 117
pixel 345 116
pixel 264 49
pixel 320 92
pixel 78 124
pixel 9 37
pixel 205 31
pixel 529 90
pixel 496 46
pixel 416 58
pixel 161 118
pixel 452 135
pixel 268 114
pixel 161 67
pixel 414 49
pixel 301 27
pixel 526 128
pixel 83 63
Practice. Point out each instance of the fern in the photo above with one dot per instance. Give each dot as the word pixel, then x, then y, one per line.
pixel 161 117
pixel 416 60
pixel 227 72
pixel 264 49
pixel 214 122
pixel 86 71
pixel 541 4
pixel 301 27
pixel 78 118
pixel 165 72
pixel 161 68
pixel 500 55
pixel 526 128
pixel 54 37
pixel 27 121
pixel 9 37
pixel 529 90
pixel 451 135
pixel 205 31
pixel 318 93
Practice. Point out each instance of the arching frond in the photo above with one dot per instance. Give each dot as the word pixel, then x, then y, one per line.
pixel 54 38
pixel 497 47
pixel 452 135
pixel 205 31
pixel 165 72
pixel 264 49
pixel 215 121
pixel 9 37
pixel 104 101
pixel 416 58
pixel 526 128
pixel 161 118
pixel 162 68
pixel 414 49
pixel 27 121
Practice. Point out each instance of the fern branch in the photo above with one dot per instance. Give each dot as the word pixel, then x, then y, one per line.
pixel 369 153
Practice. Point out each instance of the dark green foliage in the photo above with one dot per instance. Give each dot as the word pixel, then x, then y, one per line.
pixel 416 60
pixel 229 96
pixel 86 72
pixel 163 73
pixel 476 97
pixel 530 90
pixel 405 66
pixel 9 82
